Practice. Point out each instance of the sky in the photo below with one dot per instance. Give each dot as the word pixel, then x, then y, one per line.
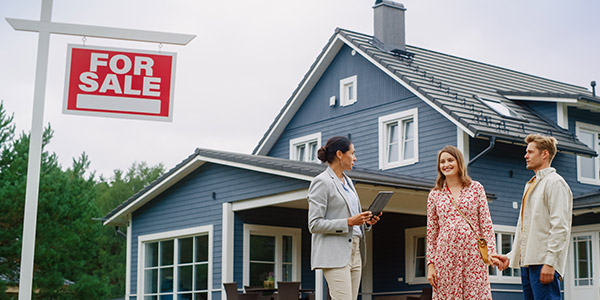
pixel 249 56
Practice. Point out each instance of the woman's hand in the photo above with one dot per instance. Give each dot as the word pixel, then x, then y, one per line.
pixel 359 219
pixel 374 219
pixel 432 275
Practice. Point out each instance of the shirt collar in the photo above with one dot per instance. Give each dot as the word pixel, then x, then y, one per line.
pixel 544 172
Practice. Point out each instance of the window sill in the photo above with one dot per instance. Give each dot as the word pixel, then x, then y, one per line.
pixel 399 164
pixel 588 181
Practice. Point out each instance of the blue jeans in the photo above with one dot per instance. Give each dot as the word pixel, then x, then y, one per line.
pixel 533 289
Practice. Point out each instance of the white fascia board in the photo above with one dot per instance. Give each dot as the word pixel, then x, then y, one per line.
pixel 582 211
pixel 408 87
pixel 157 189
pixel 255 168
pixel 541 98
pixel 270 200
pixel 299 98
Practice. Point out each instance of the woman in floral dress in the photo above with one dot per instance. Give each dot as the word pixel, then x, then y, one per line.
pixel 455 268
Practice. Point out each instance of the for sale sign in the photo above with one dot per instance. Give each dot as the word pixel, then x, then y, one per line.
pixel 119 83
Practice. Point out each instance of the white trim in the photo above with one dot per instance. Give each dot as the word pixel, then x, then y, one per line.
pixel 562 115
pixel 227 241
pixel 321 65
pixel 593 231
pixel 542 99
pixel 255 168
pixel 504 229
pixel 344 99
pixel 409 254
pixel 319 286
pixel 269 200
pixel 462 143
pixel 383 121
pixel 585 228
pixel 367 272
pixel 313 137
pixel 277 232
pixel 174 234
pixel 595 146
pixel 128 258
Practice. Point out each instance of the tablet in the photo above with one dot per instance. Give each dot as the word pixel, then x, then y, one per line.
pixel 379 202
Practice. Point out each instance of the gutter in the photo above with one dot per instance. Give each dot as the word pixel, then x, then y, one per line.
pixel 482 153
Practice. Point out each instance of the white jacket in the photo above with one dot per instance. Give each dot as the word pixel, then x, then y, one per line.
pixel 546 229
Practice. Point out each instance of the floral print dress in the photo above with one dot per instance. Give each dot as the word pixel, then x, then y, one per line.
pixel 452 245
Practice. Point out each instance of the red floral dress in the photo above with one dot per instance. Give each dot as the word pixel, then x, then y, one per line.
pixel 452 245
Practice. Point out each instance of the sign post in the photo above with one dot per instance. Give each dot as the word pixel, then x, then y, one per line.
pixel 45 27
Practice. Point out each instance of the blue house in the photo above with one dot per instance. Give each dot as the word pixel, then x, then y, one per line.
pixel 222 217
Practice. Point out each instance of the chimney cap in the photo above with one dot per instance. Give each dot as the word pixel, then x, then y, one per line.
pixel 389 3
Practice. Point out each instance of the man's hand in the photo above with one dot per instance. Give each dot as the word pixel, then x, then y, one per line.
pixel 501 261
pixel 374 219
pixel 359 219
pixel 547 274
pixel 432 275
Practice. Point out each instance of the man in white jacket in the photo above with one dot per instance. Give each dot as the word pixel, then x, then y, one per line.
pixel 544 227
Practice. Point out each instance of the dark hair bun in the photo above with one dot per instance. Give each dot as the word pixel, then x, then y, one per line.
pixel 322 154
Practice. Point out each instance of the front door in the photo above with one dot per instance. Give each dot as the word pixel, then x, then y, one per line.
pixel 582 280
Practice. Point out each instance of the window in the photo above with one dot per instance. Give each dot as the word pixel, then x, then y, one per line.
pixel 583 266
pixel 588 168
pixel 176 265
pixel 416 256
pixel 348 90
pixel 398 139
pixel 270 250
pixel 305 148
pixel 504 241
pixel 500 108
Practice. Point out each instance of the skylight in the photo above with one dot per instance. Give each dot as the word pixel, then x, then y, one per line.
pixel 500 108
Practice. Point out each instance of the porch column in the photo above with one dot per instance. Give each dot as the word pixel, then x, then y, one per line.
pixel 367 272
pixel 319 289
pixel 227 247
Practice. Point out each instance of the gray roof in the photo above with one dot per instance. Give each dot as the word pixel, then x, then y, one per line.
pixel 288 166
pixel 587 200
pixel 451 84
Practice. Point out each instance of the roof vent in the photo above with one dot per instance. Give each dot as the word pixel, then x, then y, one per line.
pixel 389 26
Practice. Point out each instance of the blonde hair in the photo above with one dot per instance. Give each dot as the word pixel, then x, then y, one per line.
pixel 462 170
pixel 543 142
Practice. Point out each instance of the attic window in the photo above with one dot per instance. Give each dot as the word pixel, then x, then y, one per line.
pixel 348 89
pixel 500 108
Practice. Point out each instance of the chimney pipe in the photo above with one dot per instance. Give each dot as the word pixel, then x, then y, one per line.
pixel 389 25
pixel 593 84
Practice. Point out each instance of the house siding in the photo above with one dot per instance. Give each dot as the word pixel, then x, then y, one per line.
pixel 543 108
pixel 189 203
pixel 378 95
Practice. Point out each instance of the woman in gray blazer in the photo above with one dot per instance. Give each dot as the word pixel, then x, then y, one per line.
pixel 336 221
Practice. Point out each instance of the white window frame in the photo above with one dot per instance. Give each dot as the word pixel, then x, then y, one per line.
pixel 499 278
pixel 579 126
pixel 170 235
pixel 410 235
pixel 345 100
pixel 383 138
pixel 304 140
pixel 277 232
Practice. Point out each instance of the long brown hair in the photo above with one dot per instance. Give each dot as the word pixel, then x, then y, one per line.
pixel 462 170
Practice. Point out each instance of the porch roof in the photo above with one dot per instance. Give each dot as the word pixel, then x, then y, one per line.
pixel 586 203
pixel 271 165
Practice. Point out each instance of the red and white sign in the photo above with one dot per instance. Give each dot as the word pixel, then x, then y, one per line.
pixel 119 83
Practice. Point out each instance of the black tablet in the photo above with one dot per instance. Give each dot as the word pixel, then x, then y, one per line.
pixel 379 202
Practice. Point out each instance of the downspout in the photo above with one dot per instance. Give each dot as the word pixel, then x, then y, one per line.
pixel 485 151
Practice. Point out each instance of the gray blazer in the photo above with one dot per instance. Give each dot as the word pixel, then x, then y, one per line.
pixel 328 210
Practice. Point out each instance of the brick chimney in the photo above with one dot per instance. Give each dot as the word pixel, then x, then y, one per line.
pixel 389 25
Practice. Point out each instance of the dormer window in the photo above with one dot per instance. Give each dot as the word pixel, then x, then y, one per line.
pixel 305 147
pixel 500 108
pixel 348 90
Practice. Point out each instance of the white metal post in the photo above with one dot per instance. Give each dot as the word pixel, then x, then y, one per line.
pixel 35 156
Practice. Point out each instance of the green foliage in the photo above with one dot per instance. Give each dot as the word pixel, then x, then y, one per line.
pixel 76 257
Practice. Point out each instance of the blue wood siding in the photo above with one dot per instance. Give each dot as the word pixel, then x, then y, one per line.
pixel 378 95
pixel 189 203
pixel 546 109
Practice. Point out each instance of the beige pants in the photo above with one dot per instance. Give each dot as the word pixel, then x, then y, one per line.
pixel 344 282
